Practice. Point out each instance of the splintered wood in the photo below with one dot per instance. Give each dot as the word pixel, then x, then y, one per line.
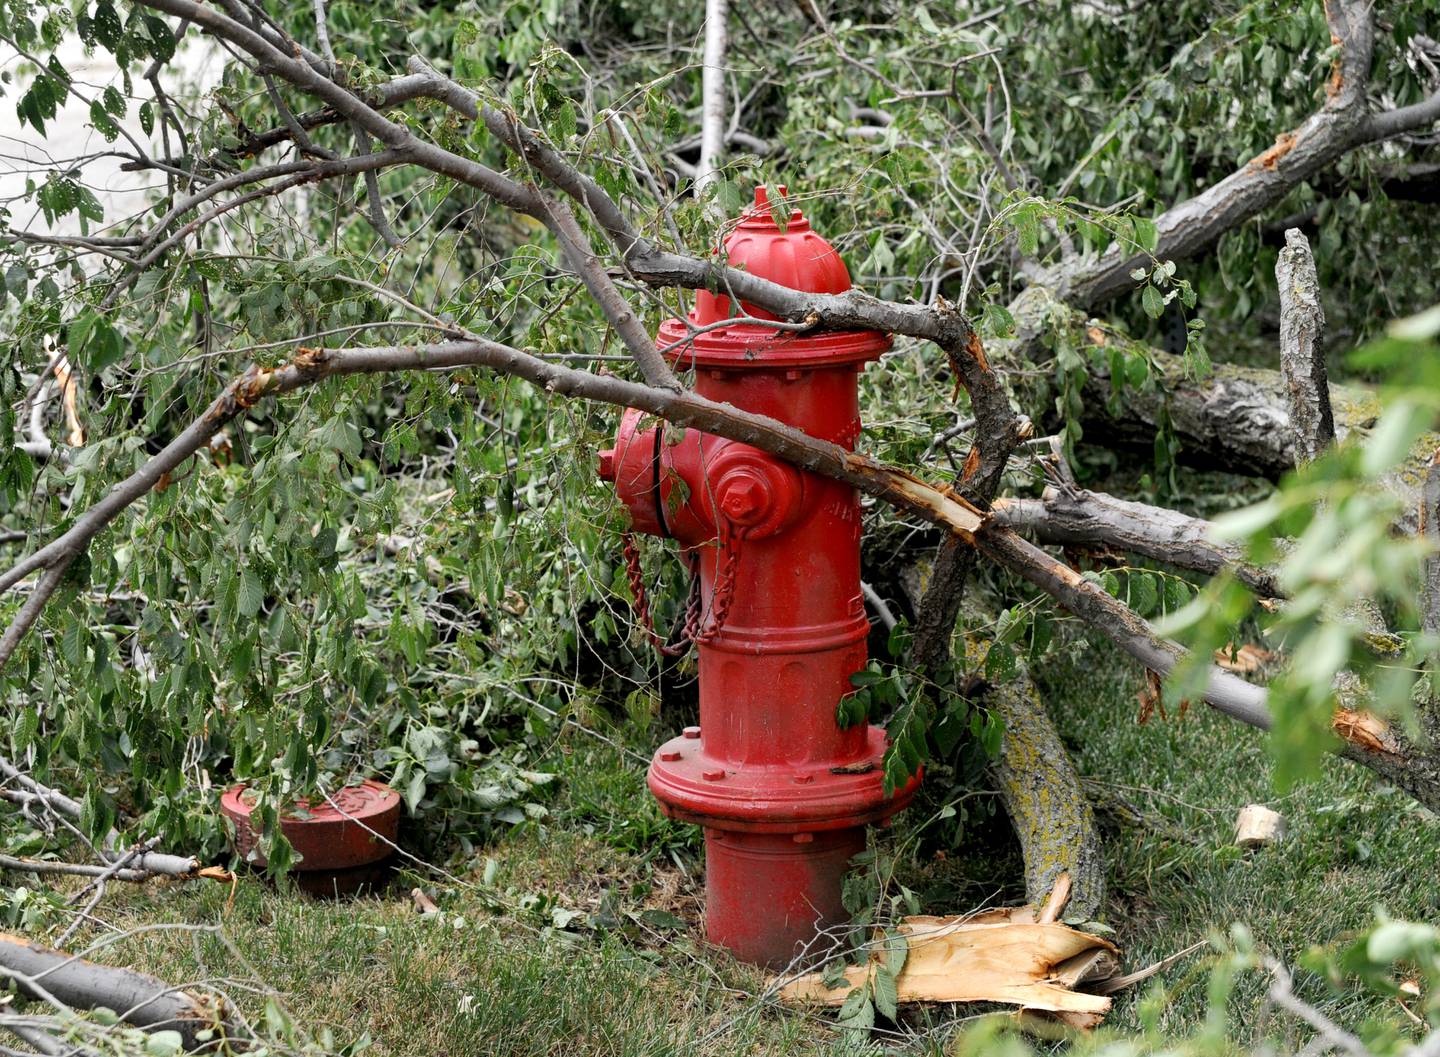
pixel 1019 956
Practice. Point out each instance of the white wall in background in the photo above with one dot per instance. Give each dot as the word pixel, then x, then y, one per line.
pixel 25 153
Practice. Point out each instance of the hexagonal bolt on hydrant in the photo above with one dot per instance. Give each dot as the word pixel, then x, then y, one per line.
pixel 783 793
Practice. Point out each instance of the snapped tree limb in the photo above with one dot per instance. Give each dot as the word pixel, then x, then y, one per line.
pixel 1342 124
pixel 137 998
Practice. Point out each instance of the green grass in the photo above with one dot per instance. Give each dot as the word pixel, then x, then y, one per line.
pixel 624 985
pixel 487 976
pixel 1353 844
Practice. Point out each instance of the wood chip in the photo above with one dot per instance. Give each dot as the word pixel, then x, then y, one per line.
pixel 1258 826
pixel 1364 729
pixel 1247 660
pixel 1055 903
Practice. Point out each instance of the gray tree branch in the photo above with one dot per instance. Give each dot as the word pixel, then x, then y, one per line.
pixel 1343 124
pixel 1302 348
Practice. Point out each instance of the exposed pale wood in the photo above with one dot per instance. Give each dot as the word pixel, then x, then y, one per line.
pixel 1248 659
pixel 1055 902
pixel 967 959
pixel 1258 825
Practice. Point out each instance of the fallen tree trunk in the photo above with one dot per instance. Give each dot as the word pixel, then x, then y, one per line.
pixel 1077 517
pixel 1041 791
pixel 1036 778
pixel 138 999
pixel 1235 419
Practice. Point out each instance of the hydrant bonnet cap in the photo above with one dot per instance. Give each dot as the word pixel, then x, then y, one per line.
pixel 796 257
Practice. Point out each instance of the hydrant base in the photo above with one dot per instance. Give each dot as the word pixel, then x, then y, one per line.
pixel 695 786
pixel 774 900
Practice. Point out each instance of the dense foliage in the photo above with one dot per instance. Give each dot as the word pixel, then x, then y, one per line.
pixel 418 577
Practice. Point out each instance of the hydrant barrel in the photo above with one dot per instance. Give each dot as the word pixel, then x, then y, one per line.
pixel 782 791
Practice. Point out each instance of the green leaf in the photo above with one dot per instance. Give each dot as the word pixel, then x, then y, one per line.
pixel 104 124
pixel 1153 301
pixel 164 1044
pixel 886 992
pixel 897 949
pixel 108 28
pixel 1143 594
pixel 661 919
pixel 1146 233
pixel 415 789
pixel 252 593
pixel 1027 231
pixel 162 41
pixel 999 663
pixel 341 435
pixel 94 342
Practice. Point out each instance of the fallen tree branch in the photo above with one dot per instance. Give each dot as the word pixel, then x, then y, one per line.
pixel 311 365
pixel 138 864
pixel 1077 517
pixel 1363 738
pixel 1343 124
pixel 138 999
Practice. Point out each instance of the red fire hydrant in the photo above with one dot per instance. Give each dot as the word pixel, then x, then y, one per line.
pixel 784 794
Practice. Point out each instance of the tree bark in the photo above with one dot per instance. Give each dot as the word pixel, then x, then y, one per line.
pixel 1078 517
pixel 1302 348
pixel 1430 617
pixel 145 1001
pixel 1041 791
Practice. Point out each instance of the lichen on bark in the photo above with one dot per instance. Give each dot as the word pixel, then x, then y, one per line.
pixel 1041 791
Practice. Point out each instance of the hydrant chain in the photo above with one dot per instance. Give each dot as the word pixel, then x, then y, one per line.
pixel 720 603
pixel 640 600
pixel 724 593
